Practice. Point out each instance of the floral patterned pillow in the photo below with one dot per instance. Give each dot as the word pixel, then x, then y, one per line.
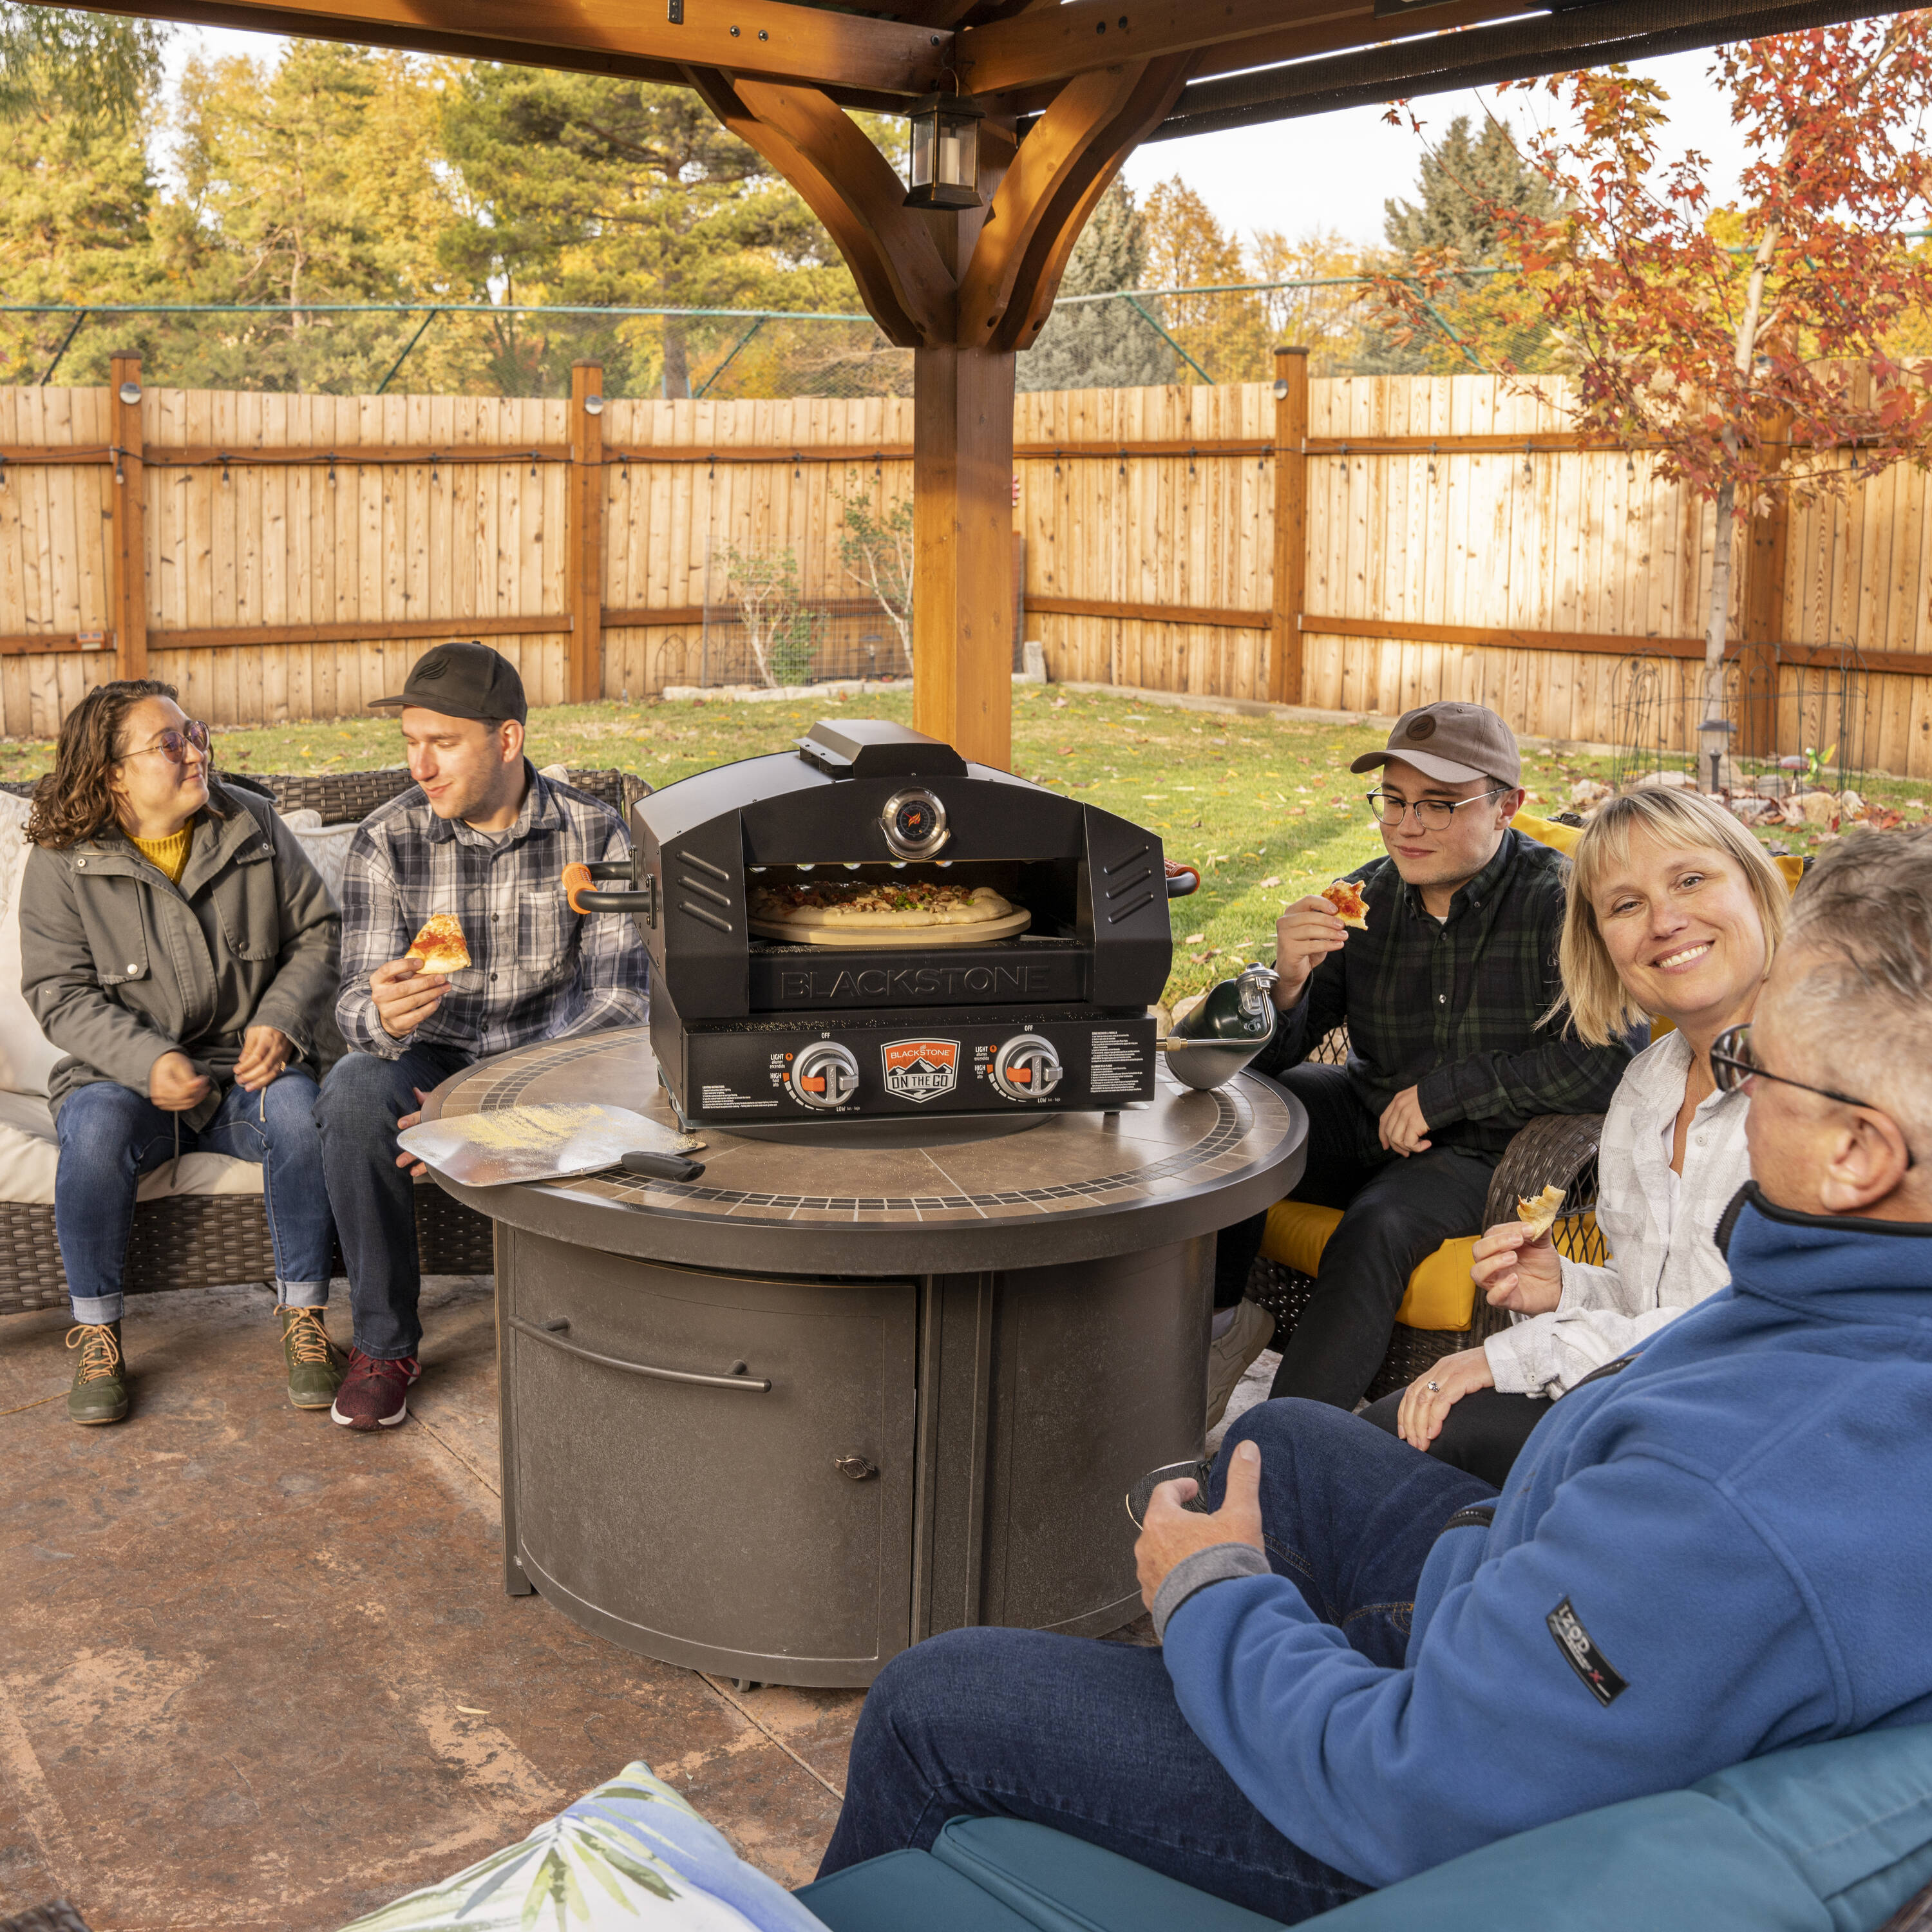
pixel 632 1851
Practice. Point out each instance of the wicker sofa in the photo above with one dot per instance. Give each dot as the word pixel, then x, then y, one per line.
pixel 195 1240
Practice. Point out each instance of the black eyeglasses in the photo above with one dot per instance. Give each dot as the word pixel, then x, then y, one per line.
pixel 1732 1065
pixel 1431 814
pixel 173 745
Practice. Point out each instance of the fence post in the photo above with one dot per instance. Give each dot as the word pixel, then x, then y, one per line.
pixel 1291 525
pixel 127 509
pixel 584 533
pixel 1763 613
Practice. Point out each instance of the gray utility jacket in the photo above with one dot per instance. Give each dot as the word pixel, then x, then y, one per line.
pixel 121 966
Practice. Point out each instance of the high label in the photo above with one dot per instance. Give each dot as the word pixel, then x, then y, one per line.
pixel 920 1069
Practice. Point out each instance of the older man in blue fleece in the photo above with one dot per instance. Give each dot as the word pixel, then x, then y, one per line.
pixel 1714 1547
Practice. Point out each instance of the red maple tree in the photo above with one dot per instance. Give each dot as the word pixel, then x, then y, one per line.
pixel 1756 345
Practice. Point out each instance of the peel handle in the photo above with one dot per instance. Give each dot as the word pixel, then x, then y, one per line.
pixel 662 1166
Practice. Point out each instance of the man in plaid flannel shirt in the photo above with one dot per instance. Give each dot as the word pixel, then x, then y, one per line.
pixel 1446 996
pixel 482 836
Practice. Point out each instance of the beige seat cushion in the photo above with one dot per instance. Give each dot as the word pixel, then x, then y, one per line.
pixel 29 1153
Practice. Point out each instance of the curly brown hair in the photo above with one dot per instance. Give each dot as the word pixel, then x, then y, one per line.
pixel 72 801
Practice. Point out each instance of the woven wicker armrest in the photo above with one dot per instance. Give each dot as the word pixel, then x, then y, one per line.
pixel 344 797
pixel 1553 1151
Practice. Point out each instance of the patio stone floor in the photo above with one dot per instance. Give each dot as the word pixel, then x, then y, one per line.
pixel 259 1672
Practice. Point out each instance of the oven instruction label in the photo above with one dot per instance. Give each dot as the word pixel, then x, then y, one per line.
pixel 723 1097
pixel 1119 1063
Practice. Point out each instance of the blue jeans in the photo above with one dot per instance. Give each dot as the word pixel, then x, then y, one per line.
pixel 110 1136
pixel 1086 1737
pixel 375 1200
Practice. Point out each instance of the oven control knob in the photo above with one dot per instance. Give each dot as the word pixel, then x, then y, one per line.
pixel 824 1074
pixel 1027 1068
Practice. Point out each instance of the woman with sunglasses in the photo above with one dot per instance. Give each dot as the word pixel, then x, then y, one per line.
pixel 1673 913
pixel 179 947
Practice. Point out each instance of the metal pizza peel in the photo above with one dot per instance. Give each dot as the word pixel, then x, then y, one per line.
pixel 550 1143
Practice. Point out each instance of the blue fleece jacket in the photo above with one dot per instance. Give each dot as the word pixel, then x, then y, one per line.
pixel 1718 1548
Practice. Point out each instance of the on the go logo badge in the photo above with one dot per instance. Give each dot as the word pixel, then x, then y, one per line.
pixel 921 1069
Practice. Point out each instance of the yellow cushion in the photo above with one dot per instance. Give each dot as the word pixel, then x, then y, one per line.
pixel 1546 831
pixel 1441 1294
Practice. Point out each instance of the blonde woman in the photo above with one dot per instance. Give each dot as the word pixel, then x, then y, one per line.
pixel 1674 912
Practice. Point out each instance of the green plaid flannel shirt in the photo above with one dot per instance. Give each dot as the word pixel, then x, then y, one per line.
pixel 1456 1009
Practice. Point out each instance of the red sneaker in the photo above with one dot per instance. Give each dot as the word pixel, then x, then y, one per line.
pixel 374 1394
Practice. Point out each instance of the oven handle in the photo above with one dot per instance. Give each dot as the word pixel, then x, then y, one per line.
pixel 578 888
pixel 1182 880
pixel 557 1341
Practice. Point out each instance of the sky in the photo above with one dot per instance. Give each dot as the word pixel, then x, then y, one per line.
pixel 1330 171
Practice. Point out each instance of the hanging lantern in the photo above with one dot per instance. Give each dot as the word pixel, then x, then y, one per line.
pixel 945 151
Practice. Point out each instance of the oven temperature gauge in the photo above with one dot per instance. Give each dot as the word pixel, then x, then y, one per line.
pixel 824 1074
pixel 914 823
pixel 1027 1068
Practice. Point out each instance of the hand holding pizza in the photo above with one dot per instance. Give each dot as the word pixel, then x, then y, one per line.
pixel 1306 933
pixel 408 990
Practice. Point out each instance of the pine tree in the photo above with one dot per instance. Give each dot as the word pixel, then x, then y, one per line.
pixel 1100 345
pixel 1464 184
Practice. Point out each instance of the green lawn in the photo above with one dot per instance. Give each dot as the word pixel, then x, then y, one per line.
pixel 1266 807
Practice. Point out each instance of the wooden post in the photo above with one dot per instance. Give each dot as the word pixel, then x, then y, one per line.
pixel 1291 525
pixel 127 509
pixel 1762 620
pixel 963 551
pixel 583 539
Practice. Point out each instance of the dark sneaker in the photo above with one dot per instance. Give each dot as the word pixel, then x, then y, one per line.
pixel 1141 1494
pixel 374 1394
pixel 100 1390
pixel 314 1361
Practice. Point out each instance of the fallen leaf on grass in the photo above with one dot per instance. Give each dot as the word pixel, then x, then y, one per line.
pixel 1271 882
pixel 1194 939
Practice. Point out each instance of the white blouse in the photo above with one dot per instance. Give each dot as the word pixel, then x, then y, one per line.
pixel 1660 1229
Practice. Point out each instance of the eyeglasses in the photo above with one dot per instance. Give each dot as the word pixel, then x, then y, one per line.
pixel 173 745
pixel 1431 814
pixel 1732 1065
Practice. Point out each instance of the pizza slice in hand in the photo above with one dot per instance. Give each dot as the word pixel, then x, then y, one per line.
pixel 440 946
pixel 1345 896
pixel 1538 1214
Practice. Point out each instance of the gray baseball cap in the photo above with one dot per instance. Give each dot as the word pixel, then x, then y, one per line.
pixel 1452 743
pixel 463 680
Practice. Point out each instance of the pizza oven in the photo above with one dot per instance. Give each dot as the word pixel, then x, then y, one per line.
pixel 1037 998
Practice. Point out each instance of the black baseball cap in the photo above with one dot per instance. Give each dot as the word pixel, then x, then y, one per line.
pixel 463 680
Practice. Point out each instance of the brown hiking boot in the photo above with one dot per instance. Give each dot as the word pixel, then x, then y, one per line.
pixel 314 1362
pixel 374 1394
pixel 100 1390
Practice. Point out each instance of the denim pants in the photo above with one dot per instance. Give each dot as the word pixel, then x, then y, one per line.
pixel 1397 1211
pixel 375 1200
pixel 110 1136
pixel 1086 1736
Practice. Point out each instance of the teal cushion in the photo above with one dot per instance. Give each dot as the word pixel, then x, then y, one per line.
pixel 1854 1816
pixel 1059 1884
pixel 905 1891
pixel 1680 1859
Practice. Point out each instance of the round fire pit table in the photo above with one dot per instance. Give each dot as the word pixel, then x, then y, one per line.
pixel 861 1382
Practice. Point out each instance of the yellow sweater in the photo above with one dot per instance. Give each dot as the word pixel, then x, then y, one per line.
pixel 169 854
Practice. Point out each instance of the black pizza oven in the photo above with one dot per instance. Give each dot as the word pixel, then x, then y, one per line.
pixel 750 1027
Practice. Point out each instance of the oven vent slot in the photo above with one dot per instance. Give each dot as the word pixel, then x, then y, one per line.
pixel 703 865
pixel 1127 911
pixel 700 912
pixel 704 891
pixel 1128 859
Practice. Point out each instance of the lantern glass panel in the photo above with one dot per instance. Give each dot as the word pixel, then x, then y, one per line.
pixel 958 150
pixel 923 127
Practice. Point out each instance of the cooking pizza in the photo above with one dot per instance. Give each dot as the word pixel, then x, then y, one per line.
pixel 1538 1214
pixel 864 906
pixel 1345 896
pixel 440 946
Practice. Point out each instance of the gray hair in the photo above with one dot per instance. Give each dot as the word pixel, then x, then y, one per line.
pixel 1862 918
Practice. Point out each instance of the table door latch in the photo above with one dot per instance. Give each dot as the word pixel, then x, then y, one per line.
pixel 856 1467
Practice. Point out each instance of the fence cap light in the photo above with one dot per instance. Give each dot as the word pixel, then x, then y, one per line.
pixel 945 171
pixel 593 405
pixel 1280 388
pixel 130 392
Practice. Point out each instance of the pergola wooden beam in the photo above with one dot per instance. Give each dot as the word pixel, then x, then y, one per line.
pixel 770 39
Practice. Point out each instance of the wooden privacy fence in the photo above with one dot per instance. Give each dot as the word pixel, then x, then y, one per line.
pixel 1357 543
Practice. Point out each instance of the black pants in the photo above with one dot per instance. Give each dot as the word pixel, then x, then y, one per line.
pixel 1397 1211
pixel 1482 1434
